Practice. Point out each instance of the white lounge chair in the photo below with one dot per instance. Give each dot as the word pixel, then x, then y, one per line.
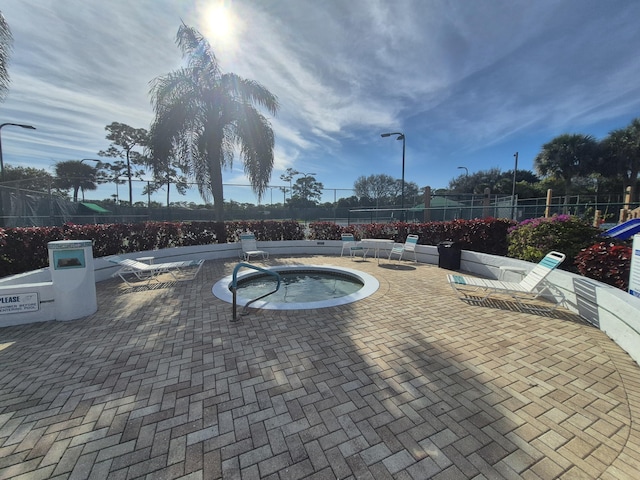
pixel 250 247
pixel 144 272
pixel 408 246
pixel 349 243
pixel 532 286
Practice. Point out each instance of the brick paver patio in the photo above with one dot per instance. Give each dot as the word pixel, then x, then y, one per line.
pixel 410 383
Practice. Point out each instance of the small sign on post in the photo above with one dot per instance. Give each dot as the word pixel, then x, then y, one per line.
pixel 634 275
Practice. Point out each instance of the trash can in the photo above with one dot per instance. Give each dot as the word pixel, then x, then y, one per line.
pixel 449 255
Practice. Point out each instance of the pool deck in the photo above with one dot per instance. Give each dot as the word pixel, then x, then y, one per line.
pixel 410 383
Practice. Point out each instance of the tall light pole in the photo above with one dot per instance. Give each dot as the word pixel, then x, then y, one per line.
pixel 513 188
pixel 466 171
pixel 400 136
pixel 29 127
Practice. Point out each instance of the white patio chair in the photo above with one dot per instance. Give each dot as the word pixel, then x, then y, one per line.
pixel 250 247
pixel 185 270
pixel 350 244
pixel 408 246
pixel 532 286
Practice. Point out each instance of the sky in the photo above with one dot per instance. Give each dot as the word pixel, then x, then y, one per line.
pixel 468 82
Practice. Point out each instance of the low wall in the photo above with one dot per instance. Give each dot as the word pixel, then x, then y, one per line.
pixel 615 312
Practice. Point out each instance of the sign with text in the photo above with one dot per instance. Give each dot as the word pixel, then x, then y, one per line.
pixel 634 276
pixel 19 303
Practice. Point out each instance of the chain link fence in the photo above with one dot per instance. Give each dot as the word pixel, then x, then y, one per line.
pixel 22 208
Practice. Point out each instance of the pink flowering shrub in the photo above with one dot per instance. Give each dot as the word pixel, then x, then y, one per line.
pixel 532 239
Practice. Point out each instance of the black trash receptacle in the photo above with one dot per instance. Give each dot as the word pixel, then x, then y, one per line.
pixel 449 255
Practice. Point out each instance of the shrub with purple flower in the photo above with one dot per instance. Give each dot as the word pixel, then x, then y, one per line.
pixel 533 238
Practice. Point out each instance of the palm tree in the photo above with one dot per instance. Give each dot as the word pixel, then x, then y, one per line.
pixel 567 156
pixel 202 115
pixel 621 152
pixel 6 41
pixel 73 174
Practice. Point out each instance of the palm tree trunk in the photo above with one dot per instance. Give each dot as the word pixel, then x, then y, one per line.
pixel 215 175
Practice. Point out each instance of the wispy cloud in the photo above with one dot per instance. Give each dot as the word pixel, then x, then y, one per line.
pixel 461 79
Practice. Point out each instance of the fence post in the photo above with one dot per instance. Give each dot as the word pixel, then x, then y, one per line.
pixel 596 218
pixel 486 203
pixel 624 212
pixel 547 209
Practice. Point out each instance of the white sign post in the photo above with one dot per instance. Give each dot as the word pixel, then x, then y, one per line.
pixel 634 276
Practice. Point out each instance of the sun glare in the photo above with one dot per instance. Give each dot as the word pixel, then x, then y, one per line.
pixel 220 22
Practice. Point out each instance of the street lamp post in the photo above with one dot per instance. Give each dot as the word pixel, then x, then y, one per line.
pixel 466 171
pixel 29 127
pixel 513 189
pixel 400 136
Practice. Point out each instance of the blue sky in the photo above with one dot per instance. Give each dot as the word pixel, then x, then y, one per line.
pixel 468 82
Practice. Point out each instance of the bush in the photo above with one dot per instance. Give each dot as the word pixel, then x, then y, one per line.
pixel 532 239
pixel 25 249
pixel 606 262
pixel 488 235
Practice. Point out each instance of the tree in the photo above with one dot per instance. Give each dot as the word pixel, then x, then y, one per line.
pixel 621 152
pixel 498 182
pixel 411 190
pixel 307 191
pixel 28 178
pixel 6 42
pixel 202 115
pixel 348 202
pixel 73 174
pixel 288 176
pixel 123 140
pixel 379 188
pixel 166 172
pixel 567 156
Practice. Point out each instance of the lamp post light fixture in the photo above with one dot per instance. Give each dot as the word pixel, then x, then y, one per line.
pixel 466 171
pixel 400 136
pixel 29 127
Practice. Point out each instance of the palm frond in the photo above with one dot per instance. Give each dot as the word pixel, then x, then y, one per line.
pixel 249 91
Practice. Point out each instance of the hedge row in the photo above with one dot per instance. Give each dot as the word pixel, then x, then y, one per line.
pixel 25 249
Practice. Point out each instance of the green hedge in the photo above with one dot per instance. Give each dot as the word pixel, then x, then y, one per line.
pixel 25 249
pixel 487 235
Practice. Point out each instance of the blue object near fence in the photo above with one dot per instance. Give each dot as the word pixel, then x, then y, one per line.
pixel 625 230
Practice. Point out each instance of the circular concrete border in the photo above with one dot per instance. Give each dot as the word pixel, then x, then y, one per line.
pixel 370 286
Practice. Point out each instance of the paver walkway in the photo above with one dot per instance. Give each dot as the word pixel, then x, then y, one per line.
pixel 410 383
